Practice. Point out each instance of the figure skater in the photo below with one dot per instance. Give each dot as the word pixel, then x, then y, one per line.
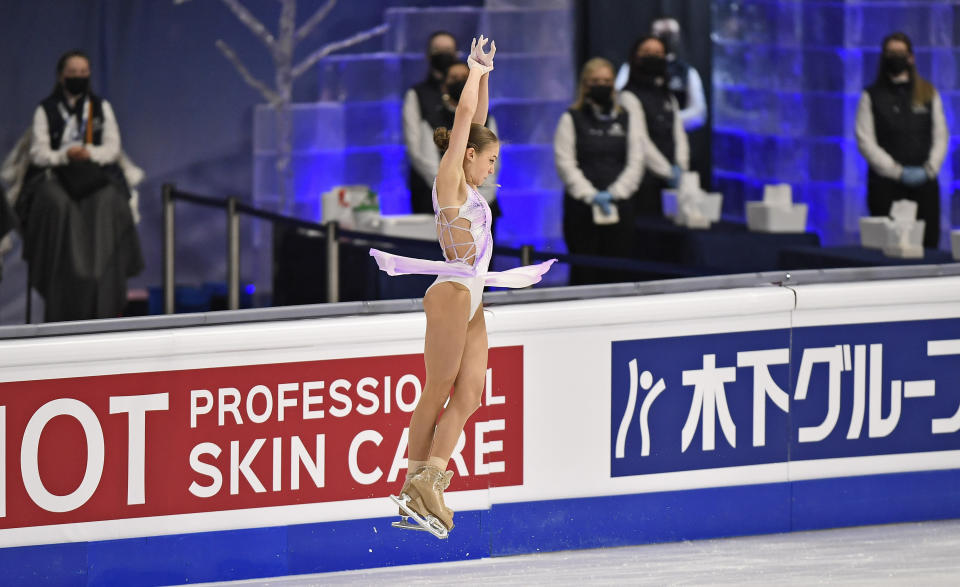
pixel 455 345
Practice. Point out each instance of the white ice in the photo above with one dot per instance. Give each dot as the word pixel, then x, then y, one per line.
pixel 899 554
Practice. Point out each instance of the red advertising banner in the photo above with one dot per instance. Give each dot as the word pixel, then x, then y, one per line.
pixel 177 442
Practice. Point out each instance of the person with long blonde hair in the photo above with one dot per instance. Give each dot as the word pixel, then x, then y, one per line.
pixel 455 343
pixel 902 133
pixel 599 156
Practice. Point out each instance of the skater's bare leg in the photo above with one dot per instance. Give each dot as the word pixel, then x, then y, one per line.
pixel 447 306
pixel 467 390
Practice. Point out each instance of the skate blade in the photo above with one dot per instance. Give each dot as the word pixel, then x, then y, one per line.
pixel 406 524
pixel 430 524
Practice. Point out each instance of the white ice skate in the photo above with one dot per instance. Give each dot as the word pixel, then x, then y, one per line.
pixel 429 524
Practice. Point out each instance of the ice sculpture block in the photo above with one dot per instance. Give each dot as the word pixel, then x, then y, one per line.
pixel 528 167
pixel 411 27
pixel 530 217
pixel 530 31
pixel 311 125
pixel 528 121
pixel 777 212
pixel 360 77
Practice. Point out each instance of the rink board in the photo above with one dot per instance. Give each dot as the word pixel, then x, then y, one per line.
pixel 264 449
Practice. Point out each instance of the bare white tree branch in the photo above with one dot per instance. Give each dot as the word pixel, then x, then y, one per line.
pixel 319 54
pixel 268 94
pixel 314 20
pixel 255 26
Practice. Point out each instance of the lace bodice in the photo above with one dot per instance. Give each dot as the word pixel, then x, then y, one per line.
pixel 464 231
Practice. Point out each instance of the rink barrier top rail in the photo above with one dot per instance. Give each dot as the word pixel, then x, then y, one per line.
pixel 336 237
pixel 554 294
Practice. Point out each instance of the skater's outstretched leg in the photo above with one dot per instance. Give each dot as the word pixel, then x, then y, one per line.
pixel 447 306
pixel 467 390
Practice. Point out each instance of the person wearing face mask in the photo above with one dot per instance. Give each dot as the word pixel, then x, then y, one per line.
pixel 455 78
pixel 647 98
pixel 682 78
pixel 79 236
pixel 902 133
pixel 599 156
pixel 423 111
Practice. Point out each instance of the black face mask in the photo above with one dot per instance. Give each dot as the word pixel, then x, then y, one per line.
pixel 895 64
pixel 601 95
pixel 651 66
pixel 76 85
pixel 439 62
pixel 454 89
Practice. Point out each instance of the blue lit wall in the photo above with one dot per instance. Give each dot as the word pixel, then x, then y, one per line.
pixel 787 75
pixel 353 134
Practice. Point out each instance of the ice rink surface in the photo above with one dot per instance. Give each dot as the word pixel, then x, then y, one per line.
pixel 925 553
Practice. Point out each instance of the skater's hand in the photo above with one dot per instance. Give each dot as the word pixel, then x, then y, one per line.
pixel 914 176
pixel 478 59
pixel 603 200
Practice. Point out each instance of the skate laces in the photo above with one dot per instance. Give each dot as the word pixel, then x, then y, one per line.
pixel 447 476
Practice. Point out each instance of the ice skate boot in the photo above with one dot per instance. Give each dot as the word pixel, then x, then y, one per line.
pixel 405 490
pixel 422 500
pixel 445 482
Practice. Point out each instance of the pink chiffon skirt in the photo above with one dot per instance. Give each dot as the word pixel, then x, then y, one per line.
pixel 517 277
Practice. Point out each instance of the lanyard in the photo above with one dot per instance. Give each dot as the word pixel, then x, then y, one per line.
pixel 84 129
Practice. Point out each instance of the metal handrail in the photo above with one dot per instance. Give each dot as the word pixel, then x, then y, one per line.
pixel 335 237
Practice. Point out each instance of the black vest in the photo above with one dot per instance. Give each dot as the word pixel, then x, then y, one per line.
pixel 432 108
pixel 56 124
pixel 660 115
pixel 678 81
pixel 902 129
pixel 601 145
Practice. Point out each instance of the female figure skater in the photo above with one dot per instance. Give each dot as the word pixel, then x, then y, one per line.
pixel 455 346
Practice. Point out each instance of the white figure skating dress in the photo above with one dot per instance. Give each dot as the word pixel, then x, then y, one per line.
pixel 464 235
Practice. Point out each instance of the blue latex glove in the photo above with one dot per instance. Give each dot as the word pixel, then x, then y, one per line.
pixel 674 180
pixel 914 176
pixel 603 200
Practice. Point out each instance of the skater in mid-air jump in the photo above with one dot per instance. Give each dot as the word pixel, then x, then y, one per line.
pixel 455 345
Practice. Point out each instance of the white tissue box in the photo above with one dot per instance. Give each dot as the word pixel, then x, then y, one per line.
pixel 778 194
pixel 873 232
pixel 900 235
pixel 764 217
pixel 955 244
pixel 911 249
pixel 710 206
pixel 893 245
pixel 879 232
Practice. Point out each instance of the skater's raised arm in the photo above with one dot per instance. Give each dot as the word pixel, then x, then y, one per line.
pixel 480 116
pixel 450 175
pixel 486 60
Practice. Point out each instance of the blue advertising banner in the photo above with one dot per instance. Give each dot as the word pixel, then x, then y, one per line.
pixel 772 396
